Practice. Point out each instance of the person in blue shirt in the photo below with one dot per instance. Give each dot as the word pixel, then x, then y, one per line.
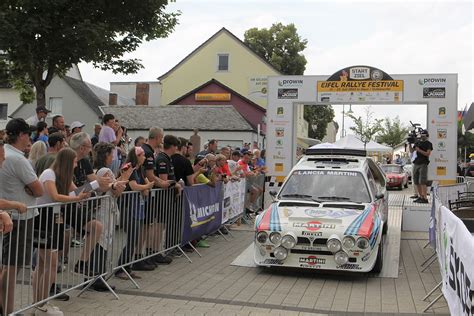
pixel 41 133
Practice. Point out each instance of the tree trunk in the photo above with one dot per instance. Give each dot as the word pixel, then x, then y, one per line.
pixel 40 95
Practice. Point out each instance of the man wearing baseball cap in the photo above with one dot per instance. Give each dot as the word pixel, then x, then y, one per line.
pixel 40 116
pixel 423 149
pixel 18 182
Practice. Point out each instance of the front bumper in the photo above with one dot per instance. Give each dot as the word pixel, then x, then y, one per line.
pixel 359 261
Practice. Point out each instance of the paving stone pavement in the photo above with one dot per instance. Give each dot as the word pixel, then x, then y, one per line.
pixel 211 286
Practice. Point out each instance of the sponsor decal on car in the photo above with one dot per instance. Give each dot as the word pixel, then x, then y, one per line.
pixel 311 234
pixel 305 265
pixel 350 266
pixel 312 248
pixel 272 261
pixel 312 260
pixel 366 257
pixel 330 213
pixel 314 225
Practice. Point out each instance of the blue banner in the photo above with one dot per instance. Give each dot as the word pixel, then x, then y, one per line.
pixel 202 211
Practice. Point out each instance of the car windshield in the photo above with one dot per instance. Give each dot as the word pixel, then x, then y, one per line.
pixel 392 169
pixel 326 185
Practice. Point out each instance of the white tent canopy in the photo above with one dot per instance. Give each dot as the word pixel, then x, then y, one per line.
pixel 352 142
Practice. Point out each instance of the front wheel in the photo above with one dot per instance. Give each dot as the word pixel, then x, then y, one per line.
pixel 379 261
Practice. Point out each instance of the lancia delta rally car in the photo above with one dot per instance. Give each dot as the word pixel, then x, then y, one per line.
pixel 330 214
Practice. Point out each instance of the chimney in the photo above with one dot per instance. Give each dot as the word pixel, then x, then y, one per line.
pixel 142 94
pixel 112 98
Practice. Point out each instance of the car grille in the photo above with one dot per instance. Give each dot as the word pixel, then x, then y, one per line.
pixel 311 252
pixel 306 241
pixel 303 241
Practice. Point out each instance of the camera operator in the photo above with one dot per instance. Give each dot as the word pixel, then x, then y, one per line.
pixel 423 148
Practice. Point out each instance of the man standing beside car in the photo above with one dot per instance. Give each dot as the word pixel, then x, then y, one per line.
pixel 423 150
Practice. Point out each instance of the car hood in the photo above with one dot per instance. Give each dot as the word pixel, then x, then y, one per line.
pixel 346 220
pixel 394 175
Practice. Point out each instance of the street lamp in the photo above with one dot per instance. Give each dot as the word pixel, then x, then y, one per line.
pixel 343 130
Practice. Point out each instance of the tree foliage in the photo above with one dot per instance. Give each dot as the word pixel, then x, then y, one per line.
pixel 280 45
pixel 44 38
pixel 366 127
pixel 318 117
pixel 393 132
pixel 465 142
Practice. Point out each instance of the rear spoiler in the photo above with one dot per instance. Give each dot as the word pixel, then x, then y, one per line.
pixel 336 151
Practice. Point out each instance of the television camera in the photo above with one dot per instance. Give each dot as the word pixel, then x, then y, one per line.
pixel 415 134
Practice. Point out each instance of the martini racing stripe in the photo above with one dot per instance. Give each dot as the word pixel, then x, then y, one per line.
pixel 269 220
pixel 375 232
pixel 354 226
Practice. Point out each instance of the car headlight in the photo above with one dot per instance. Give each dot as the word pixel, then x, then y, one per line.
pixel 348 242
pixel 262 237
pixel 288 241
pixel 334 244
pixel 275 238
pixel 363 243
pixel 341 258
pixel 280 253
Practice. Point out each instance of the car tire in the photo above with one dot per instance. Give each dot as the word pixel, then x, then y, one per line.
pixel 385 228
pixel 401 187
pixel 379 261
pixel 406 185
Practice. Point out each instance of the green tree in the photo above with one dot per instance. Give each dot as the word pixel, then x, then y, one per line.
pixel 465 143
pixel 366 128
pixel 318 117
pixel 45 38
pixel 392 132
pixel 280 45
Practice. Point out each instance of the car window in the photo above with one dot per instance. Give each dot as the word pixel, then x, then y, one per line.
pixel 372 184
pixel 392 169
pixel 327 185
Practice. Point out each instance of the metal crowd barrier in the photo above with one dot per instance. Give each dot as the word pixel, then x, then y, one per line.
pixel 38 261
pixel 70 246
pixel 255 188
pixel 150 226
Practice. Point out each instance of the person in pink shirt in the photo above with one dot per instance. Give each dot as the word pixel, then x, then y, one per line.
pixel 107 135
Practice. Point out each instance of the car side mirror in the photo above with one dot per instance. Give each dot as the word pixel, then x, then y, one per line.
pixel 379 196
pixel 273 193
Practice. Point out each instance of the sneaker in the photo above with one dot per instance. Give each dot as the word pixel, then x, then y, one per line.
pixel 424 201
pixel 142 266
pixel 414 197
pixel 83 268
pixel 100 286
pixel 202 244
pixel 48 310
pixel 55 289
pixel 76 243
pixel 160 259
pixel 151 262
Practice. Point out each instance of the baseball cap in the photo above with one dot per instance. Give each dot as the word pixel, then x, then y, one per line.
pixel 424 132
pixel 17 126
pixel 76 124
pixel 42 109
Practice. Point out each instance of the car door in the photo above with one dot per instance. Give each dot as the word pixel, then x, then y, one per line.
pixel 374 172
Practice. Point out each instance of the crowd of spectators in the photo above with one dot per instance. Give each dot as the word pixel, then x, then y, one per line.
pixel 41 164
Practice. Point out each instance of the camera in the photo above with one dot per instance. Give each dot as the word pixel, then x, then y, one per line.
pixel 415 134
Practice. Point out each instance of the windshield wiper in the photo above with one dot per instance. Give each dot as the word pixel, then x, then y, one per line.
pixel 300 196
pixel 334 198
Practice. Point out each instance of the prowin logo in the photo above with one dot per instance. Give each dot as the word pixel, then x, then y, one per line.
pixel 432 82
pixel 290 82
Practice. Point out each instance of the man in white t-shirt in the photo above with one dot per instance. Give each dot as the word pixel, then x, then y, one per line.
pixel 40 116
pixel 18 182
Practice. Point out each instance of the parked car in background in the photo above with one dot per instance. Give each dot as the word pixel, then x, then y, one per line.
pixel 408 167
pixel 330 214
pixel 397 177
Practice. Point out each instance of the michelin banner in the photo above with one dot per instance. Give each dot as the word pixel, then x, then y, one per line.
pixel 234 200
pixel 455 248
pixel 202 211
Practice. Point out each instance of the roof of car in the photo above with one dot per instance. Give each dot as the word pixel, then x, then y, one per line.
pixel 338 162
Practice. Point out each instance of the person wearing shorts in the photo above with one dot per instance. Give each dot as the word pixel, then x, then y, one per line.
pixel 423 150
pixel 18 182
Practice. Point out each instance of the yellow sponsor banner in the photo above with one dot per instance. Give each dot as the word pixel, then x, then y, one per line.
pixel 212 97
pixel 360 86
pixel 447 182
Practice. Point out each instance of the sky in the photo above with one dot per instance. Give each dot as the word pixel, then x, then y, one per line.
pixel 397 37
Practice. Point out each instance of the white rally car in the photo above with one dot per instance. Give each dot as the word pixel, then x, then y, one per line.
pixel 330 214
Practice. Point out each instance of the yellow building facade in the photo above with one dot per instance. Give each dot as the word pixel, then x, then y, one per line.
pixel 225 58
